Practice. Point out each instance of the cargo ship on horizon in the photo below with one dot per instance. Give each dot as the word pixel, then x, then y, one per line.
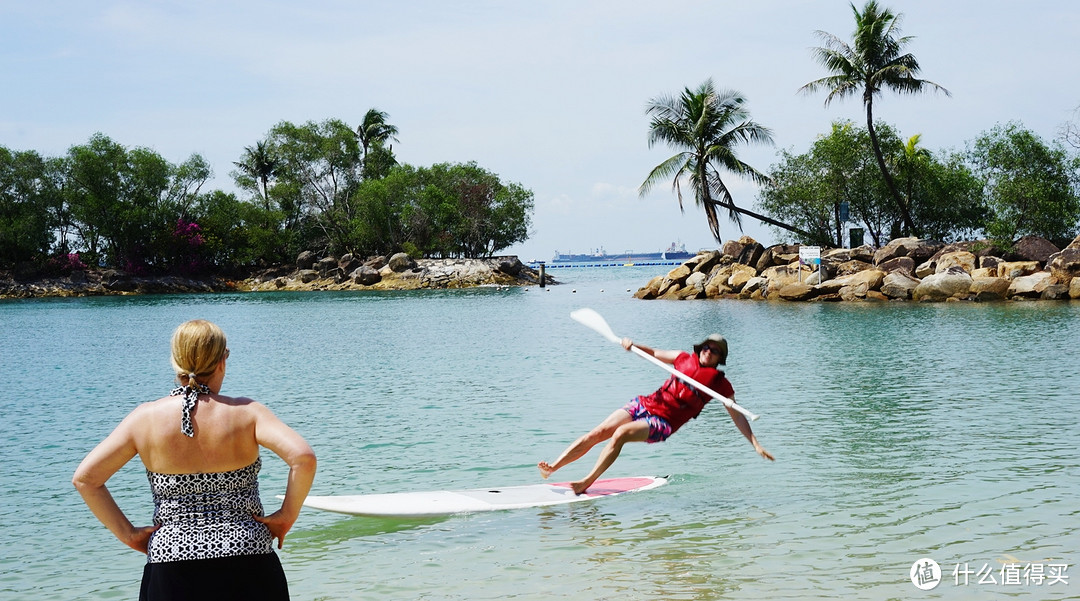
pixel 675 252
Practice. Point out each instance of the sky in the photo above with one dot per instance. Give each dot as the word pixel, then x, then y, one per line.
pixel 547 94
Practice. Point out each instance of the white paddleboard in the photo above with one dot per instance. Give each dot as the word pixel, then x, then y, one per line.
pixel 446 502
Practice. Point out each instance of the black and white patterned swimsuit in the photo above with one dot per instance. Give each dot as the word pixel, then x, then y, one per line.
pixel 205 516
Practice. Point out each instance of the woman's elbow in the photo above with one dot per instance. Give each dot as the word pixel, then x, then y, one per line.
pixel 82 481
pixel 304 461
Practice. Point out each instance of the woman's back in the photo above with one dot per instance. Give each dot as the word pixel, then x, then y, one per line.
pixel 224 435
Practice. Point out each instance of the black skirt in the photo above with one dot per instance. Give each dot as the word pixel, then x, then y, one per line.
pixel 227 578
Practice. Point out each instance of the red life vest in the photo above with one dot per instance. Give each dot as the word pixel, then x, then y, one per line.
pixel 678 402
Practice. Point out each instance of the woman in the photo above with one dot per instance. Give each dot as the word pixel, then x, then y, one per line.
pixel 210 539
pixel 653 418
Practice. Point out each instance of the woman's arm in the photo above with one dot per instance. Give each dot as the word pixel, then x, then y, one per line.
pixel 667 356
pixel 744 426
pixel 96 468
pixel 273 434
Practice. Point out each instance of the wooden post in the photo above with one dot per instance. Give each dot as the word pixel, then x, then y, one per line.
pixel 541 274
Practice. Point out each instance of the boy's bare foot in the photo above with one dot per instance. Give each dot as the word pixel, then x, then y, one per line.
pixel 545 469
pixel 580 486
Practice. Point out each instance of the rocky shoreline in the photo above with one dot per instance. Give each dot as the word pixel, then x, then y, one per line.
pixel 398 272
pixel 905 269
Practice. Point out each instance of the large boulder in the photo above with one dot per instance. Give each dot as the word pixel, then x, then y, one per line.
pixel 872 278
pixel 1015 269
pixel 754 287
pixel 796 292
pixel 400 262
pixel 348 262
pixel 305 260
pixel 510 265
pixel 680 273
pixel 989 288
pixel 959 258
pixel 778 254
pixel 696 281
pixel 1074 288
pixel 721 279
pixel 365 276
pixel 745 250
pixel 1032 248
pixel 782 275
pixel 1055 292
pixel 705 262
pixel 989 262
pixel 918 249
pixel 864 253
pixel 651 290
pixel 953 283
pixel 898 284
pixel 325 266
pixel 1064 265
pixel 850 267
pixel 902 264
pixel 1030 286
pixel 740 275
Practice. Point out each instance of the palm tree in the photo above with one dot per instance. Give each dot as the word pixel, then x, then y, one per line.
pixel 876 61
pixel 374 130
pixel 260 164
pixel 706 125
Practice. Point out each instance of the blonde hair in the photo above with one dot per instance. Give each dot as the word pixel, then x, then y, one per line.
pixel 197 347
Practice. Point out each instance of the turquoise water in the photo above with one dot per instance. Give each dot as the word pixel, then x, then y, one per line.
pixel 901 431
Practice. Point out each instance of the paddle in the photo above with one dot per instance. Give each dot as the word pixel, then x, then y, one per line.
pixel 593 320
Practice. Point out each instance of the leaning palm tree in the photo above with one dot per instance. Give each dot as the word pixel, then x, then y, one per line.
pixel 706 126
pixel 876 61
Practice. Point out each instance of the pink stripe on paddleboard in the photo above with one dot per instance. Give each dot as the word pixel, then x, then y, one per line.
pixel 611 486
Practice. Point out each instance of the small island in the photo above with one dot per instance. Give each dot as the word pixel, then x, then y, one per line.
pixel 397 272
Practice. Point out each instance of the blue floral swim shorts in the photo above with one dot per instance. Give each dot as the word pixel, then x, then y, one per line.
pixel 659 429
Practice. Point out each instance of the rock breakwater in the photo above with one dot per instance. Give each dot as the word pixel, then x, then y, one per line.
pixel 904 269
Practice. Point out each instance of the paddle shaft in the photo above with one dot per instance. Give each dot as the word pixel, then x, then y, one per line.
pixel 703 388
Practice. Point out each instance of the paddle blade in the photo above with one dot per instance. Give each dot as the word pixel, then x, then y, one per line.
pixel 594 321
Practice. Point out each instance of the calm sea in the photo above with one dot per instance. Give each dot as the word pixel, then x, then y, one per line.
pixel 901 431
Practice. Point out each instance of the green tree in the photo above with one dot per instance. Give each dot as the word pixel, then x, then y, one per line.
pixel 490 215
pixel 809 190
pixel 1032 188
pixel 875 61
pixel 380 203
pixel 320 172
pixel 447 210
pixel 944 194
pixel 127 203
pixel 28 208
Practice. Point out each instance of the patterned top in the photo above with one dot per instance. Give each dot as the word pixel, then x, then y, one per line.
pixel 203 516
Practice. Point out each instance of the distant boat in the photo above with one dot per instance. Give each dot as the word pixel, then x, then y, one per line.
pixel 675 252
